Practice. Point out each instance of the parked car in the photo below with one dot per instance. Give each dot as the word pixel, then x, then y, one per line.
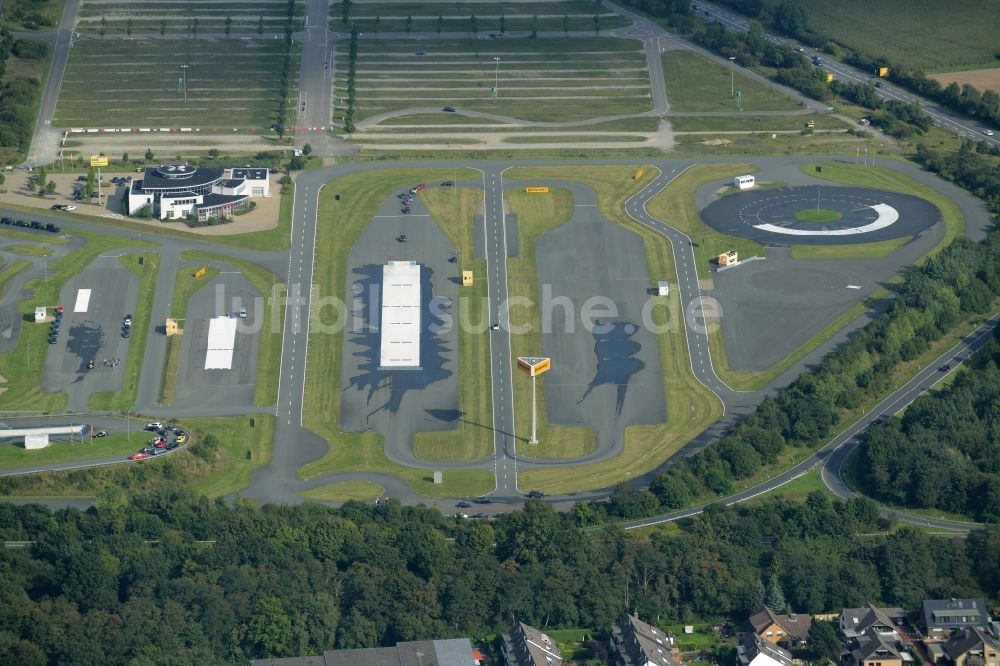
pixel 160 444
pixel 988 132
pixel 126 332
pixel 128 320
pixel 449 109
pixel 448 183
pixel 243 313
pixel 484 500
pixel 406 210
pixel 155 425
pixel 159 452
pixel 101 433
pixel 68 209
pixel 141 455
pixel 536 494
pixel 452 259
pixel 181 439
pixel 464 505
pixel 401 239
pixel 172 445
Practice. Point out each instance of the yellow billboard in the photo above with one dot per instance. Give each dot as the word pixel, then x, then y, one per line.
pixel 883 72
pixel 829 77
pixel 534 365
pixel 536 189
pixel 637 175
pixel 98 161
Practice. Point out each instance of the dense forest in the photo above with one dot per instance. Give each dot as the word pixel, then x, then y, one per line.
pixel 944 452
pixel 19 95
pixel 172 579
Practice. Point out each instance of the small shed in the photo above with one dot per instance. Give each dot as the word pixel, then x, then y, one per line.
pixel 728 258
pixel 662 288
pixel 743 182
pixel 39 314
pixel 36 441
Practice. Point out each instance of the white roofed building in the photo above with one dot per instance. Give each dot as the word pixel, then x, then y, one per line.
pixel 400 316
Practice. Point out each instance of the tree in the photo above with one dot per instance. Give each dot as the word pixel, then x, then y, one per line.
pixel 534 28
pixel 345 11
pixel 260 25
pixel 3 178
pixel 270 630
pixel 163 28
pixel 32 185
pixel 50 187
pixel 790 18
pixel 214 153
pixel 103 27
pixel 307 150
pixel 128 27
pixel 377 21
pixel 408 24
pixel 228 26
pixel 755 40
pixel 597 23
pixel 124 158
pixel 149 154
pixel 473 25
pixel 440 23
pixel 503 24
pixel 823 640
pixel 566 24
pixel 775 598
pixel 194 27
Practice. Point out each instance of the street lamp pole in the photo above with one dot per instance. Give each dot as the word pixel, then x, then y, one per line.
pixel 732 67
pixel 496 79
pixel 184 71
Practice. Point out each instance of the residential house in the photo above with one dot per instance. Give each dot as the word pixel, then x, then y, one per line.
pixel 635 643
pixel 856 622
pixel 940 617
pixel 524 645
pixel 874 649
pixel 972 647
pixel 789 631
pixel 758 651
pixel 450 652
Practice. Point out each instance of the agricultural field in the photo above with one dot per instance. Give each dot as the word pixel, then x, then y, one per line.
pixel 95 92
pixel 171 18
pixel 981 79
pixel 473 17
pixel 544 80
pixel 695 83
pixel 926 34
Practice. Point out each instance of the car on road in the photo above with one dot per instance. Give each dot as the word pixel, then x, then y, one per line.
pixel 421 186
pixel 480 515
pixel 422 52
pixel 449 109
pixel 452 259
pixel 536 494
pixel 126 332
pixel 69 209
pixel 243 313
pixel 160 444
pixel 495 326
pixel 945 368
pixel 154 425
pixel 448 183
pixel 172 445
pixel 101 433
pixel 159 452
pixel 181 439
pixel 464 505
pixel 141 455
pixel 401 239
pixel 127 320
pixel 483 500
pixel 879 84
pixel 406 210
pixel 988 132
pixel 56 207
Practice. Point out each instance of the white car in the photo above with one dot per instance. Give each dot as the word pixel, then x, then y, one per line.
pixel 69 208
pixel 155 425
pixel 988 132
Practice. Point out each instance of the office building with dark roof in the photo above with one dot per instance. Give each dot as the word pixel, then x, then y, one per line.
pixel 181 191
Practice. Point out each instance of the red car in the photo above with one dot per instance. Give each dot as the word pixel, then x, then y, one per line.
pixel 59 309
pixel 422 186
pixel 138 456
pixel 161 444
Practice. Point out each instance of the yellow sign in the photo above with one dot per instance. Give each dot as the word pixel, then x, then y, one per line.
pixel 883 72
pixel 534 365
pixel 829 77
pixel 171 327
pixel 99 161
pixel 637 175
pixel 536 188
pixel 466 278
pixel 200 272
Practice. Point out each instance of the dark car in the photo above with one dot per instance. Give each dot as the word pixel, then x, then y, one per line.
pixel 879 84
pixel 945 368
pixel 53 339
pixel 128 320
pixel 406 210
pixel 101 433
pixel 464 505
pixel 159 452
pixel 401 239
pixel 453 259
pixel 484 500
pixel 172 445
pixel 127 333
pixel 449 109
pixel 536 494
pixel 448 183
pixel 56 207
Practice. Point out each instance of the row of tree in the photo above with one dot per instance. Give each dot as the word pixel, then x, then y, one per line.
pixel 18 96
pixel 944 453
pixel 894 117
pixel 167 578
pixel 280 124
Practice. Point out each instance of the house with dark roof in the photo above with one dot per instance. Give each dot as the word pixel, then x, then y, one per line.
pixel 787 630
pixel 940 617
pixel 972 647
pixel 758 651
pixel 857 622
pixel 524 645
pixel 635 643
pixel 873 649
pixel 179 191
pixel 450 652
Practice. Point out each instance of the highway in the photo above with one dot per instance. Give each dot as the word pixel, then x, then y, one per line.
pixel 942 117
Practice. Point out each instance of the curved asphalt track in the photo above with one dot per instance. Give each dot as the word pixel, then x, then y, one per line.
pixel 743 214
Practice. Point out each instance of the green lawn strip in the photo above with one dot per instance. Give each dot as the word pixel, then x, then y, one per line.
pixel 796 489
pixel 29 250
pixel 340 225
pixel 696 83
pixel 12 270
pixel 675 206
pixel 849 251
pixel 447 122
pixel 884 178
pixel 272 318
pixel 690 407
pixel 50 11
pixel 185 286
pixel 33 236
pixel 453 209
pixel 537 214
pixel 748 122
pixel 570 642
pixel 817 215
pixel 85 448
pixel 124 399
pixel 22 366
pixel 242 449
pixel 342 491
pixel 574 138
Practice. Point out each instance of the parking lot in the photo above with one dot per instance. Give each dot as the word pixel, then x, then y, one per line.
pixel 93 337
pixel 399 403
pixel 198 388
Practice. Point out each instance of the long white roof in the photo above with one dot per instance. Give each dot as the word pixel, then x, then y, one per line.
pixel 400 321
pixel 221 340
